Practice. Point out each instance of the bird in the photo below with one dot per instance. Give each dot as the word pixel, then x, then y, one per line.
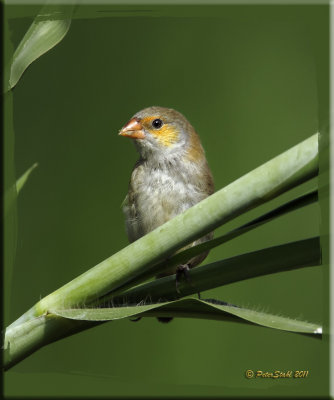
pixel 171 175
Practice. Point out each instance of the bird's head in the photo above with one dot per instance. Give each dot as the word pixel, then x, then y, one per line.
pixel 163 132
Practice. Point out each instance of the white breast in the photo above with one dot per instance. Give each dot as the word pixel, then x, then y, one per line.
pixel 158 194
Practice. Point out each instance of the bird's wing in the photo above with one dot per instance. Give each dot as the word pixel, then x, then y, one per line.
pixel 133 228
pixel 125 202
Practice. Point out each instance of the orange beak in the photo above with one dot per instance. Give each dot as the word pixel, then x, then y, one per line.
pixel 133 129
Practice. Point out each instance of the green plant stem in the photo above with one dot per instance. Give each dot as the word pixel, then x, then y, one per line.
pixel 24 339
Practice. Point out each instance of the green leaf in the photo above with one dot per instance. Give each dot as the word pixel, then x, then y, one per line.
pixel 48 29
pixel 192 308
pixel 23 178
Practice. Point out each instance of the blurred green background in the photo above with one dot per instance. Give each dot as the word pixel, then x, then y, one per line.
pixel 253 81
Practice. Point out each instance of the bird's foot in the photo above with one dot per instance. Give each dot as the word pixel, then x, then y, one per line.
pixel 135 319
pixel 182 269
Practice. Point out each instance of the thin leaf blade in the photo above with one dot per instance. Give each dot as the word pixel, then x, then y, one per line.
pixel 42 36
pixel 193 308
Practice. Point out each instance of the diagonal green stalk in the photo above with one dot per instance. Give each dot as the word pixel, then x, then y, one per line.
pixel 276 176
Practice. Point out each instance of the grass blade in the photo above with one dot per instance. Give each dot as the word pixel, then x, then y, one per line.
pixel 10 194
pixel 50 327
pixel 193 308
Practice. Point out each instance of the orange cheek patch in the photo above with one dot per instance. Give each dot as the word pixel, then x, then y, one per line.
pixel 166 135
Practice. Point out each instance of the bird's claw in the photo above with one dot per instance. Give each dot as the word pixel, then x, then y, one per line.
pixel 182 269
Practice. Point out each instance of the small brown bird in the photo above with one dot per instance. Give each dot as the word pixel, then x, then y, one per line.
pixel 171 175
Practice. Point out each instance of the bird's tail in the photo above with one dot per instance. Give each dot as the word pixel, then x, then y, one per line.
pixel 164 320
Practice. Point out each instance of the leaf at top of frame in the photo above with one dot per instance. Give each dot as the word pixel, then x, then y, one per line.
pixel 48 29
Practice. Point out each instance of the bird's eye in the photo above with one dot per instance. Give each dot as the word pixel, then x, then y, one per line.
pixel 157 123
